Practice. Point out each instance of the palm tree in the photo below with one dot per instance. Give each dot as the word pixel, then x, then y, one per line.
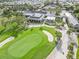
pixel 50 10
pixel 58 10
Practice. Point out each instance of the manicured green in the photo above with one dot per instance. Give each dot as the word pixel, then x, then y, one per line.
pixel 25 45
pixel 29 44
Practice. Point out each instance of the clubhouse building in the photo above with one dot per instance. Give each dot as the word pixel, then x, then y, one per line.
pixel 39 16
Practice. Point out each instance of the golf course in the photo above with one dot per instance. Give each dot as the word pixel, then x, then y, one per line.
pixel 29 44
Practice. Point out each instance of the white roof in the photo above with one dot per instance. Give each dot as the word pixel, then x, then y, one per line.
pixel 72 19
pixel 37 15
pixel 50 18
pixel 29 14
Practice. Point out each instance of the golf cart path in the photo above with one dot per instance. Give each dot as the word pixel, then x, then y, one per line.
pixel 6 41
pixel 49 35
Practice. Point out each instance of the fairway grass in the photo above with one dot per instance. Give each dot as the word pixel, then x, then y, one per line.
pixel 30 44
pixel 25 45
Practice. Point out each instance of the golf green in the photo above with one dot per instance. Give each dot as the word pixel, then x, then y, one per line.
pixel 25 45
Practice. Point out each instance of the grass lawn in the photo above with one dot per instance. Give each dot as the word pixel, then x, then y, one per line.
pixel 78 49
pixel 30 44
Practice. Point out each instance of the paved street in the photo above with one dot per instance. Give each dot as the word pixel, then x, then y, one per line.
pixel 6 41
pixel 62 52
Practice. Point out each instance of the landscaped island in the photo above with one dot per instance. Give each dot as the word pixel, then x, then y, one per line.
pixel 78 49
